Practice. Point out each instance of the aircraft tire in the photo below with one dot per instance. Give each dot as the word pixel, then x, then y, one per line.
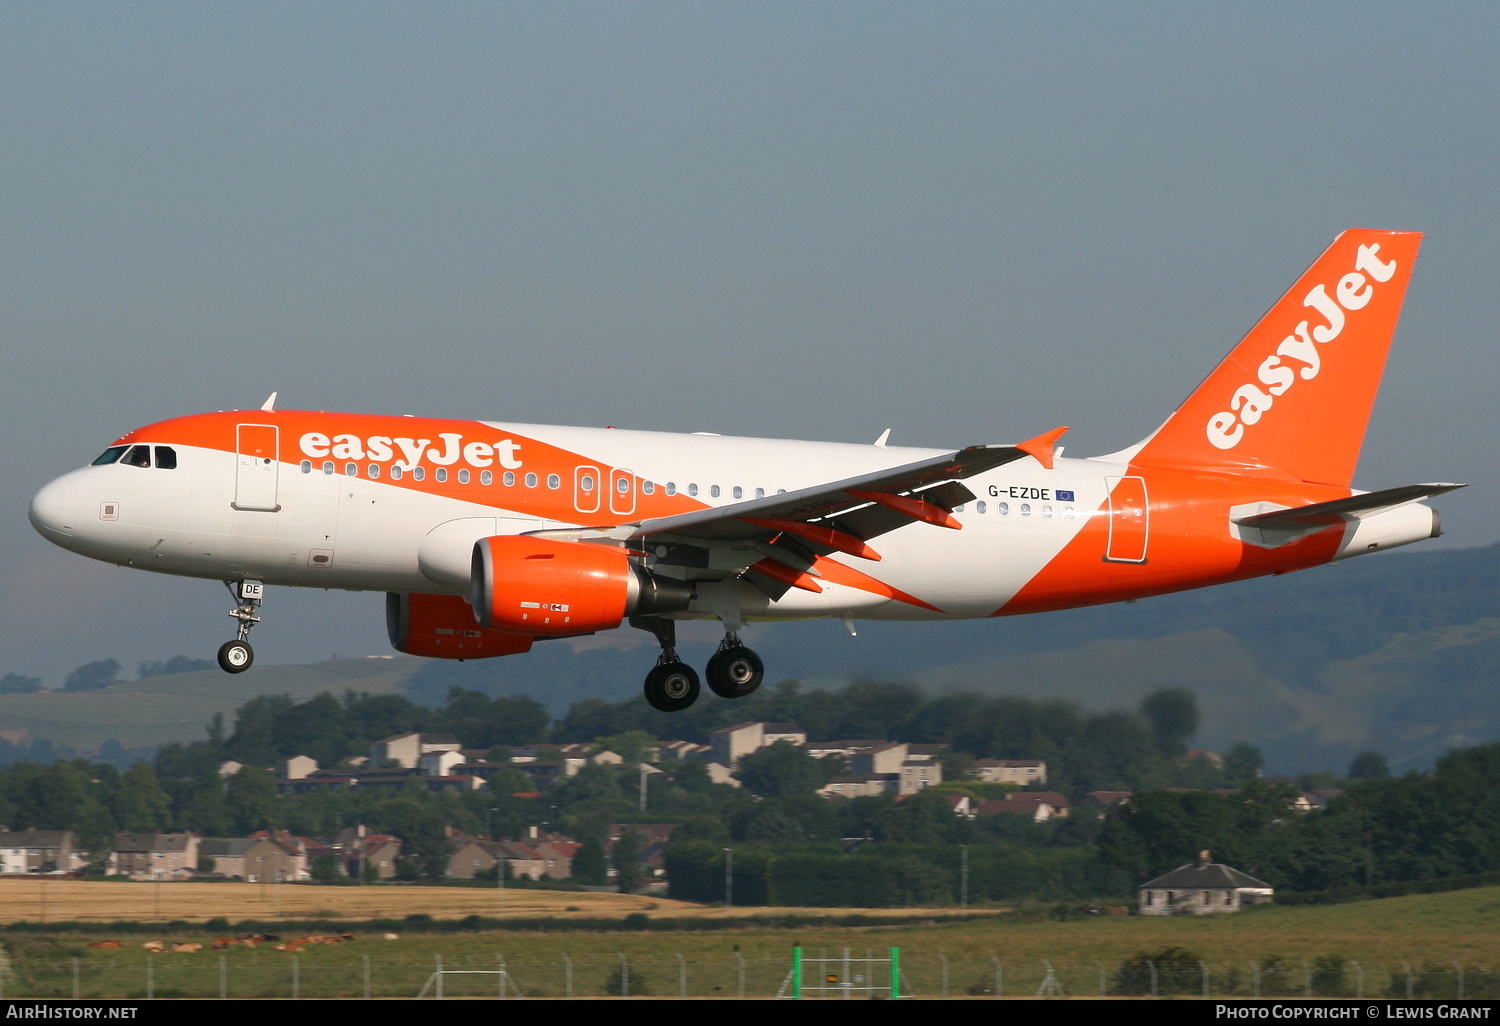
pixel 671 687
pixel 735 672
pixel 235 656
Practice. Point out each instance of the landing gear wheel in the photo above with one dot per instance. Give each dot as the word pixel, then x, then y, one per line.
pixel 735 671
pixel 671 687
pixel 235 656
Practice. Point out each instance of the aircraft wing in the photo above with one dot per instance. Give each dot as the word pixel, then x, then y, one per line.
pixel 788 531
pixel 1338 511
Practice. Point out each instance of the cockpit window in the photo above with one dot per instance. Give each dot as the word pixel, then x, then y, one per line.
pixel 138 456
pixel 110 455
pixel 166 457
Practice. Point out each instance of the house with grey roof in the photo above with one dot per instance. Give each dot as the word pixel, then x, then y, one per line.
pixel 39 851
pixel 254 859
pixel 1202 888
pixel 155 856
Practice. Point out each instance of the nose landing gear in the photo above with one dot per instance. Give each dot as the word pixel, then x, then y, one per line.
pixel 237 655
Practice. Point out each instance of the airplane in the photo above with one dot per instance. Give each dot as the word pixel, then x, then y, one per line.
pixel 489 536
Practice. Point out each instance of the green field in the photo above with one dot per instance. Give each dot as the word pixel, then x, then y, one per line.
pixel 1340 949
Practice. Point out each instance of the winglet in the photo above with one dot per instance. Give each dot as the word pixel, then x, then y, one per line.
pixel 270 404
pixel 1042 445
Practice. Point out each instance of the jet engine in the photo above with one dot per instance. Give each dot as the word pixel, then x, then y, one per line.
pixel 443 627
pixel 548 588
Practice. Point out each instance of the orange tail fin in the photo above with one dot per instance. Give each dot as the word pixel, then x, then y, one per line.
pixel 1294 397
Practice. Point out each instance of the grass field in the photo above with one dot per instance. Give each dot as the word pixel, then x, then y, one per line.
pixel 1355 947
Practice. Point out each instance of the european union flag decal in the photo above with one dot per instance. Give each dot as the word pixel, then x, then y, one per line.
pixel 1063 496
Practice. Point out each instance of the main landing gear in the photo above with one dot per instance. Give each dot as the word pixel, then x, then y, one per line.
pixel 734 671
pixel 672 685
pixel 237 655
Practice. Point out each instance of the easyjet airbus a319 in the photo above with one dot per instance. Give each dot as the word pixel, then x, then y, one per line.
pixel 488 536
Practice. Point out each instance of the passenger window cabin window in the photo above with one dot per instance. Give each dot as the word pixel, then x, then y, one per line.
pixel 1003 509
pixel 760 493
pixel 648 487
pixel 713 491
pixel 980 507
pixel 485 477
pixel 586 482
pixel 108 456
pixel 374 470
pixel 671 487
pixel 137 456
pixel 508 479
pixel 1025 509
pixel 463 477
pixel 441 474
pixel 166 457
pixel 328 467
pixel 396 472
pixel 418 473
pixel 739 493
pixel 623 485
pixel 306 466
pixel 351 469
pixel 530 480
pixel 553 481
pixel 693 489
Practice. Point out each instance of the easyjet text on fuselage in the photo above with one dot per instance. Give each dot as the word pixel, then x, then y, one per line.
pixel 408 452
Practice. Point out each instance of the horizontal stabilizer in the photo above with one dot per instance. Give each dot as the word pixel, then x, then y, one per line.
pixel 1338 511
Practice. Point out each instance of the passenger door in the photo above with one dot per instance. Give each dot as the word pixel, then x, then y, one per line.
pixel 257 467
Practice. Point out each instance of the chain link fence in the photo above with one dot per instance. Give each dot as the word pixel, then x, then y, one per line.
pixel 470 973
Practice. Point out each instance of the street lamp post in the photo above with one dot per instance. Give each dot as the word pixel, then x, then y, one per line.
pixel 728 878
pixel 963 889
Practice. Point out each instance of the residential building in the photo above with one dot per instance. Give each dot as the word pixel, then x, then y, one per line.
pixel 155 856
pixel 861 785
pixel 406 750
pixel 358 850
pixel 254 859
pixel 1202 888
pixel 473 856
pixel 1021 772
pixel 1039 806
pixel 914 770
pixel 298 767
pixel 39 851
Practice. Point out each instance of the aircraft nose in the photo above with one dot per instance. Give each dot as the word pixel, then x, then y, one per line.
pixel 53 510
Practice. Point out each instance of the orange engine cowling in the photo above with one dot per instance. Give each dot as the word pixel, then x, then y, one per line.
pixel 443 627
pixel 549 588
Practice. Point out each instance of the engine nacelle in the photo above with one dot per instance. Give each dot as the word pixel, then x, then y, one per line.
pixel 549 588
pixel 443 627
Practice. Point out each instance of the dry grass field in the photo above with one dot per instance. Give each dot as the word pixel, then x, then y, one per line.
pixel 51 900
pixel 57 899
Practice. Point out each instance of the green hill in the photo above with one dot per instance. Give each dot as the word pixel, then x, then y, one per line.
pixel 177 707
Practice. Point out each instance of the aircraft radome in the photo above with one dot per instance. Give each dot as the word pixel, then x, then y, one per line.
pixel 489 535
